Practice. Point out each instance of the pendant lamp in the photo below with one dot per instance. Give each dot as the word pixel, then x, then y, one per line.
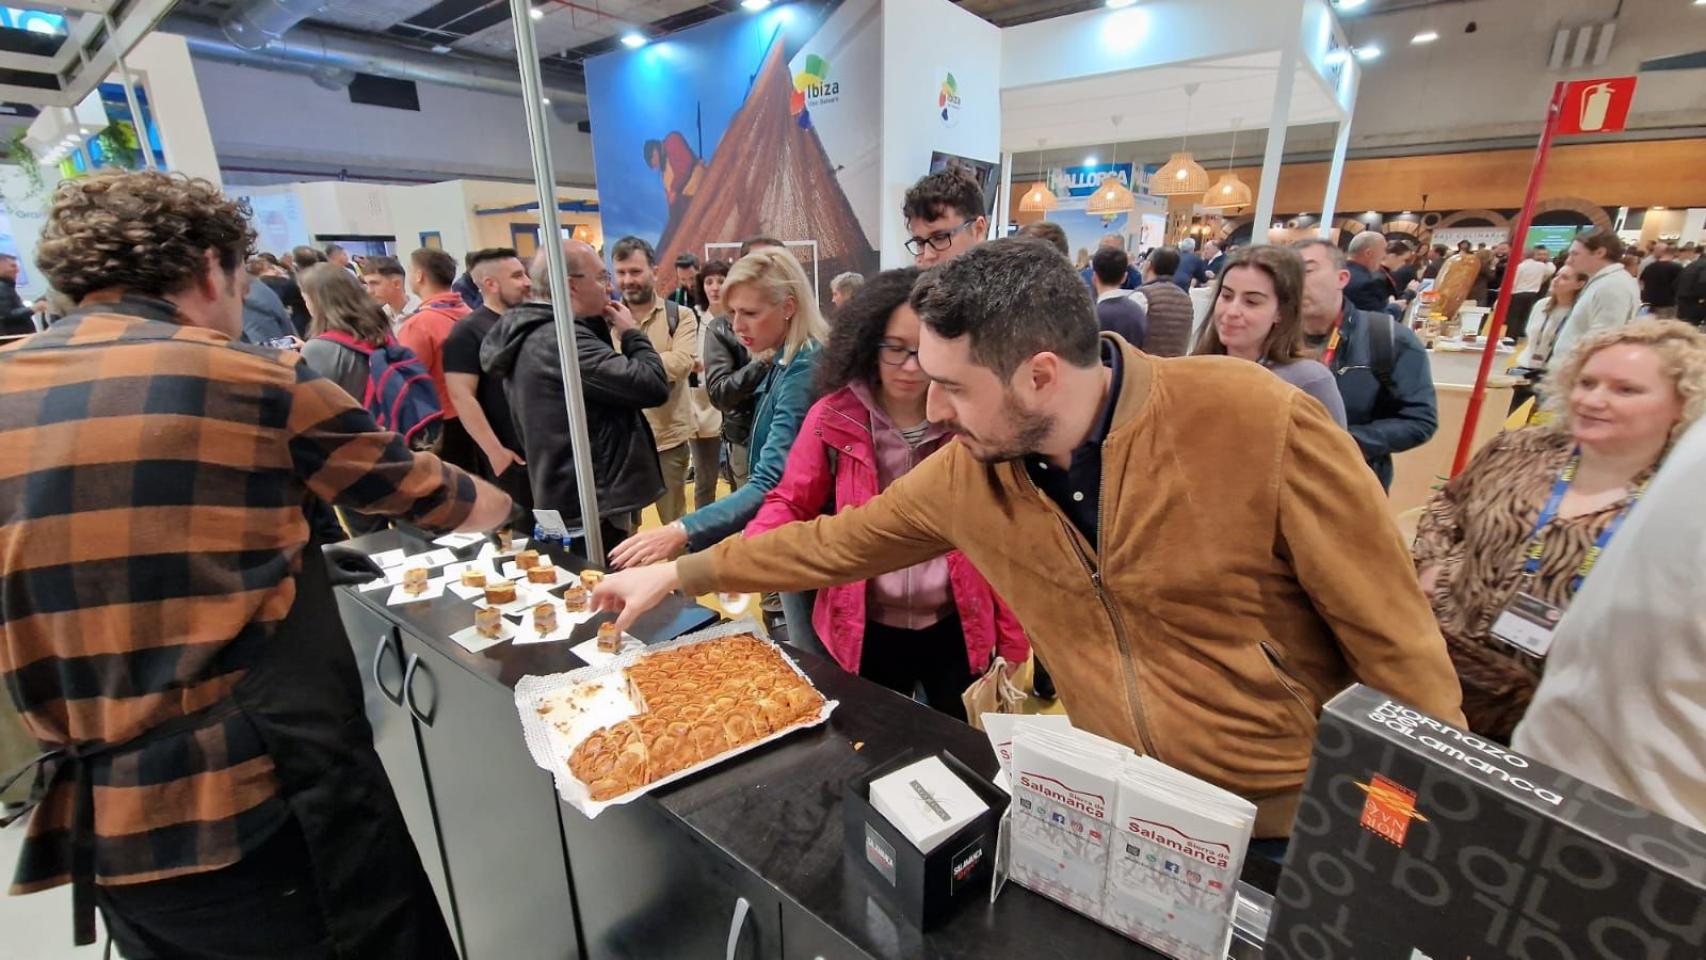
pixel 1181 173
pixel 1038 198
pixel 1229 191
pixel 1112 197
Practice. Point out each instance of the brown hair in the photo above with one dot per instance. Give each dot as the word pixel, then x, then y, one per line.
pixel 1050 232
pixel 145 232
pixel 1285 269
pixel 440 267
pixel 338 302
pixel 1604 241
pixel 1681 350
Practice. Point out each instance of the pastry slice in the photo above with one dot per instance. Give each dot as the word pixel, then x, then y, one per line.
pixel 415 580
pixel 500 593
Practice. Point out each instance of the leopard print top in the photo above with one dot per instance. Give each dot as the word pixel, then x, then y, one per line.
pixel 1476 528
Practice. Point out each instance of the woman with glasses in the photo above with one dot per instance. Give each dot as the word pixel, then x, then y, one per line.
pixel 934 625
pixel 773 312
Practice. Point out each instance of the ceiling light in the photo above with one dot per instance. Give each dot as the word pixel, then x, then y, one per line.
pixel 1351 4
pixel 754 6
pixel 1090 160
pixel 440 48
pixel 546 101
pixel 633 40
pixel 1337 55
pixel 537 13
pixel 1426 36
pixel 1119 4
pixel 1368 53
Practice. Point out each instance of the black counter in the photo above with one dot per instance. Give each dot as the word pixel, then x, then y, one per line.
pixel 776 811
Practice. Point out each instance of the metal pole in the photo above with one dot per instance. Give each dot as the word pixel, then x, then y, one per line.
pixel 1268 186
pixel 551 241
pixel 1335 172
pixel 1496 325
pixel 136 119
pixel 1003 200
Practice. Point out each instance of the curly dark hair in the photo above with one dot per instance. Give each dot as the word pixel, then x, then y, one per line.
pixel 851 353
pixel 144 232
pixel 1014 298
pixel 952 188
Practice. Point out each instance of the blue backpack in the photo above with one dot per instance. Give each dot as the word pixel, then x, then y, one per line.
pixel 400 393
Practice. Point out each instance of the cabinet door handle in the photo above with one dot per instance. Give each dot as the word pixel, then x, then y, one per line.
pixel 379 655
pixel 409 688
pixel 737 925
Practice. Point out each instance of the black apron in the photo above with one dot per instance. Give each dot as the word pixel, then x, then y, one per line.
pixel 304 697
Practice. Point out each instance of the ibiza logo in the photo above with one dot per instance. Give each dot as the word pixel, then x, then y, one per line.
pixel 948 100
pixel 1389 809
pixel 812 88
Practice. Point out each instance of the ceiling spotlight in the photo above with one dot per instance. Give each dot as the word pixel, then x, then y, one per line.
pixel 633 40
pixel 1426 36
pixel 537 13
pixel 1351 4
pixel 440 48
pixel 1090 160
pixel 546 100
pixel 1368 53
pixel 754 6
pixel 1119 4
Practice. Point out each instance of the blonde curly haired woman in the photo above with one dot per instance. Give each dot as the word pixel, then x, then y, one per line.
pixel 1504 546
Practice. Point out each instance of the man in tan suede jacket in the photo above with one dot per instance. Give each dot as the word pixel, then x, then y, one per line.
pixel 1194 546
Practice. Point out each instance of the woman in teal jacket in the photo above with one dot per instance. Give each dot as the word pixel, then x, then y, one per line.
pixel 774 313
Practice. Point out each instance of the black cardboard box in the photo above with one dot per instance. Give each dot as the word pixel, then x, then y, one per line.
pixel 1419 841
pixel 924 887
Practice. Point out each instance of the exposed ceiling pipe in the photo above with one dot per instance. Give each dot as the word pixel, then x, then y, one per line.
pixel 257 23
pixel 308 48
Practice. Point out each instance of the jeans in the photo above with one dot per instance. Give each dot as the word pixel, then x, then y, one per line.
pixel 740 466
pixel 673 504
pixel 707 463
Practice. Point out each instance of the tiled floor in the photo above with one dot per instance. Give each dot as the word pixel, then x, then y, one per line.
pixel 36 927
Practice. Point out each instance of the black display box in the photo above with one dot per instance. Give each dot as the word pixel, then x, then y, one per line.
pixel 924 887
pixel 1419 841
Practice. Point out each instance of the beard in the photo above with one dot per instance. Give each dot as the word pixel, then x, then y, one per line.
pixel 1028 431
pixel 638 297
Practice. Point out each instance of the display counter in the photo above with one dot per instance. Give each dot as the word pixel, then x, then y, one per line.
pixel 745 860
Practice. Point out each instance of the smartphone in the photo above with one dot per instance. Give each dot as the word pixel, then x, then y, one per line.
pixel 281 343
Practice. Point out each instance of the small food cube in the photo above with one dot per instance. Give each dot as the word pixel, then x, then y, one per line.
pixel 527 560
pixel 415 580
pixel 545 618
pixel 591 578
pixel 488 622
pixel 609 638
pixel 545 574
pixel 576 599
pixel 473 577
pixel 500 593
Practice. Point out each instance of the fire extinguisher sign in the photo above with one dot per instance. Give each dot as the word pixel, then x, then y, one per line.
pixel 1597 106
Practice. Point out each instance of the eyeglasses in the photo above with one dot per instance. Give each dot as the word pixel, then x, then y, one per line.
pixel 602 279
pixel 937 241
pixel 896 354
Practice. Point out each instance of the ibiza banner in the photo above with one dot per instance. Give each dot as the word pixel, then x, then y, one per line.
pixel 746 126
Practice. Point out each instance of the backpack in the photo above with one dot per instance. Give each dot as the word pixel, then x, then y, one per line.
pixel 1383 353
pixel 400 394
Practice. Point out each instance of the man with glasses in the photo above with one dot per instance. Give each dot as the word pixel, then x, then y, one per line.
pixel 619 383
pixel 944 214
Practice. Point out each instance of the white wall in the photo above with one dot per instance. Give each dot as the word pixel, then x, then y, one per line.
pixel 1495 82
pixel 441 207
pixel 262 118
pixel 162 64
pixel 923 41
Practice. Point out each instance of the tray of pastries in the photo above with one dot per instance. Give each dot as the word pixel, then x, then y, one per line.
pixel 613 732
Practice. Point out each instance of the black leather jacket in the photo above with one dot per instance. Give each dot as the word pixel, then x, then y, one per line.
pixel 521 351
pixel 732 377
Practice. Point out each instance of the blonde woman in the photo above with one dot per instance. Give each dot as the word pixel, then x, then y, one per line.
pixel 773 311
pixel 1503 547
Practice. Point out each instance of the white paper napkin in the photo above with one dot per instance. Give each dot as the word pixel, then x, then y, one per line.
pixel 566 623
pixel 524 596
pixel 389 558
pixel 434 589
pixel 490 549
pixel 457 541
pixel 588 650
pixel 513 572
pixel 472 640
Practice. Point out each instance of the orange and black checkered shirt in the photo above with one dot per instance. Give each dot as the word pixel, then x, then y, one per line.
pixel 152 479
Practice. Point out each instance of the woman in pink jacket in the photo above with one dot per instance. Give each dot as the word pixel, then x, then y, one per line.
pixel 934 625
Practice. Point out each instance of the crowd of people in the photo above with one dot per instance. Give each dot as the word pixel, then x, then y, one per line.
pixel 1208 555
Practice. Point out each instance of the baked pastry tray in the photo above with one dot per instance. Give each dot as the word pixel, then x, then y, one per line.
pixel 587 700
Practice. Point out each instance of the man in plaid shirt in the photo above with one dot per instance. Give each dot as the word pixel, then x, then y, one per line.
pixel 165 623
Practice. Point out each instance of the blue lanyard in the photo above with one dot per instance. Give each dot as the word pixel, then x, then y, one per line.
pixel 1537 539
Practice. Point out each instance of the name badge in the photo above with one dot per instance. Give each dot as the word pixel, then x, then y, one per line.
pixel 1527 623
